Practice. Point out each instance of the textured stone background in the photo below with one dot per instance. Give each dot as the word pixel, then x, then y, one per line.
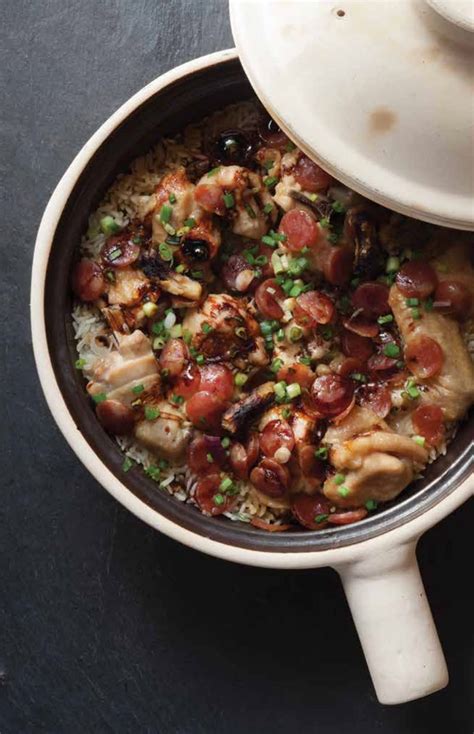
pixel 106 626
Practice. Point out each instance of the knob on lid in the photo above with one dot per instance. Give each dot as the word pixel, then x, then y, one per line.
pixel 381 94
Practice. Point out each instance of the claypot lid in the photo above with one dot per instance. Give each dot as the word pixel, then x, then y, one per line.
pixel 379 92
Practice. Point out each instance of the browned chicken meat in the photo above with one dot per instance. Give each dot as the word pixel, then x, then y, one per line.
pixel 372 462
pixel 223 329
pixel 438 355
pixel 167 435
pixel 132 364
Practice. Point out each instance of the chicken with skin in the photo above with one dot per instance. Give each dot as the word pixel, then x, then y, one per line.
pixel 372 462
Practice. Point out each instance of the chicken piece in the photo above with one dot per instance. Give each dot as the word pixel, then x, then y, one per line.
pixel 287 183
pixel 168 435
pixel 249 198
pixel 133 364
pixel 453 387
pixel 177 185
pixel 375 462
pixel 169 280
pixel 128 287
pixel 270 159
pixel 234 332
pixel 240 414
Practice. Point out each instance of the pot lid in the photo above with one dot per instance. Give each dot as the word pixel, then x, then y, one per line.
pixel 381 94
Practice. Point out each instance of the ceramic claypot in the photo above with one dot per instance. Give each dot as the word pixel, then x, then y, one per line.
pixel 376 557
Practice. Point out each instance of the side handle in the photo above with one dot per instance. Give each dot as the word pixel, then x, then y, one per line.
pixel 395 625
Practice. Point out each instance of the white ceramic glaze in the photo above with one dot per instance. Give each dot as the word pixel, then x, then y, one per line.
pixel 377 576
pixel 381 94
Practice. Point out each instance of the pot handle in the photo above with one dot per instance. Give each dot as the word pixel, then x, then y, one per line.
pixel 395 625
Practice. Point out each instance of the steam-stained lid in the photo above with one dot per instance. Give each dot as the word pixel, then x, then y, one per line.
pixel 379 93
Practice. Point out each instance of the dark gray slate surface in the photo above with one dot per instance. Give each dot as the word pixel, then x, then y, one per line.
pixel 106 626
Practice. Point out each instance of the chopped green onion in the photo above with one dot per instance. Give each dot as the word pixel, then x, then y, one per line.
pixel 280 335
pixel 296 290
pixel 229 201
pixel 127 464
pixel 371 505
pixel 200 359
pixel 343 491
pixel 268 208
pixel 393 264
pixel 110 276
pixel 240 379
pixel 191 222
pixel 176 331
pixel 267 240
pixel 109 226
pixel 358 376
pixel 333 238
pixel 165 214
pixel 322 452
pixel 226 484
pixel 385 319
pixel 295 333
pixel 165 251
pixel 280 389
pixel 293 390
pixel 153 472
pixel 207 328
pixel 321 518
pixel 339 478
pixel 138 389
pixel 266 327
pixel 261 260
pixel 287 286
pixel 79 364
pixel 270 181
pixel 210 458
pixel 290 146
pixel 428 304
pixel 225 442
pixel 313 197
pixel 213 171
pixel 187 336
pixel 137 240
pixel 278 236
pixel 196 274
pixel 412 390
pixel 218 499
pixel 158 342
pixel 391 350
pixel 114 254
pixel 150 309
pixel 180 268
pixel 415 313
pixel 326 332
pixel 99 397
pixel 305 360
pixel 324 223
pixel 250 211
pixel 338 207
pixel 177 399
pixel 420 440
pixel 412 301
pixel 151 413
pixel 268 165
pixel 172 198
pixel 276 365
pixel 286 413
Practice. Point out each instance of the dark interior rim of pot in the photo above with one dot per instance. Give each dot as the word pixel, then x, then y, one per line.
pixel 166 113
